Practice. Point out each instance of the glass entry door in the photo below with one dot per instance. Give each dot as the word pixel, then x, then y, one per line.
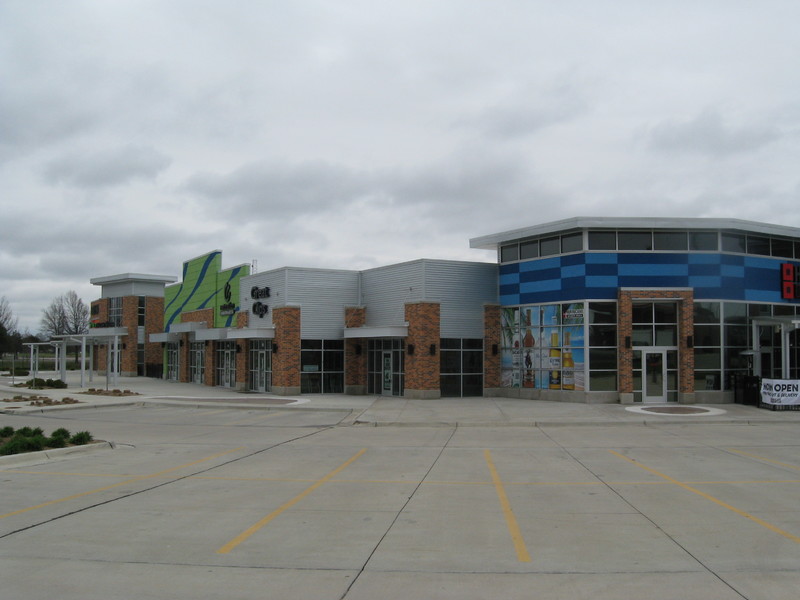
pixel 386 388
pixel 654 376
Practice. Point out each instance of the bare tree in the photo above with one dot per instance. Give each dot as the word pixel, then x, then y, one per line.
pixel 7 319
pixel 66 315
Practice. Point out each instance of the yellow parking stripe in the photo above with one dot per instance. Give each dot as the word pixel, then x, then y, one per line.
pixel 113 485
pixel 716 501
pixel 253 529
pixel 769 460
pixel 511 520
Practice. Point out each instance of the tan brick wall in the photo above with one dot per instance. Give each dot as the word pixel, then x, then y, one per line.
pixel 685 299
pixel 422 368
pixel 355 349
pixel 491 341
pixel 286 361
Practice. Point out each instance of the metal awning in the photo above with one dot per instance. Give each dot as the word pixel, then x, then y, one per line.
pixel 187 327
pixel 253 333
pixel 164 337
pixel 218 333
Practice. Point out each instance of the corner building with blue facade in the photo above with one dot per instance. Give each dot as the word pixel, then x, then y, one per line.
pixel 587 309
pixel 643 309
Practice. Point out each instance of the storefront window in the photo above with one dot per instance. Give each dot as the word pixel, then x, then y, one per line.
pixel 461 367
pixel 543 347
pixel 321 366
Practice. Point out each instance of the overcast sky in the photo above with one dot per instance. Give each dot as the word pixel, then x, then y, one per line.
pixel 350 134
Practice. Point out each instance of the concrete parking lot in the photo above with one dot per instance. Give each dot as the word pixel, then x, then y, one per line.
pixel 383 498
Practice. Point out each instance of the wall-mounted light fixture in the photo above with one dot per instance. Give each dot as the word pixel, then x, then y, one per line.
pixel 690 341
pixel 274 348
pixel 358 349
pixel 494 349
pixel 432 350
pixel 411 349
pixel 627 341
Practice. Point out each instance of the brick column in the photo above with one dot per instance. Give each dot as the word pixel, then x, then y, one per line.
pixel 153 323
pixel 491 346
pixel 128 343
pixel 286 361
pixel 100 315
pixel 355 352
pixel 422 367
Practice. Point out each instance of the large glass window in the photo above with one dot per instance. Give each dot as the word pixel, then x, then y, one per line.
pixel 635 240
pixel 322 366
pixel 670 240
pixel 602 240
pixel 461 367
pixel 115 311
pixel 543 347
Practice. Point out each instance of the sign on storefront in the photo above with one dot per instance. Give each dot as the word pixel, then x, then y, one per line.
pixel 780 391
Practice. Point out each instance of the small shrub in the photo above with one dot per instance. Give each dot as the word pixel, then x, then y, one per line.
pixel 21 372
pixel 55 384
pixel 56 442
pixel 20 443
pixel 25 432
pixel 61 433
pixel 6 432
pixel 37 432
pixel 81 438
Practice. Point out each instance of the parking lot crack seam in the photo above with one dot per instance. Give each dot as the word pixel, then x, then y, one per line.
pixel 399 512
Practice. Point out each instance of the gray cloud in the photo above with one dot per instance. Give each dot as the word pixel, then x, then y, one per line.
pixel 709 134
pixel 106 168
pixel 526 113
pixel 279 190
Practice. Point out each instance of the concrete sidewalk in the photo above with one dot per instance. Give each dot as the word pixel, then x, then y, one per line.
pixel 382 410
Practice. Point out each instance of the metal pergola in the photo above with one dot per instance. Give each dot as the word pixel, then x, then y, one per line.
pixel 108 336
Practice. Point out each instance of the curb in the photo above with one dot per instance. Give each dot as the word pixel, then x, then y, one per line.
pixel 30 458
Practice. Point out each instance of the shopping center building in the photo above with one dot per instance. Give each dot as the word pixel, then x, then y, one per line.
pixel 582 310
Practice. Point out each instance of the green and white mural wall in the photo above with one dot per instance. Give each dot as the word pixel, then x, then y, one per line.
pixel 543 346
pixel 205 285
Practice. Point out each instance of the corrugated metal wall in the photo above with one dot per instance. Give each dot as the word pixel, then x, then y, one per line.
pixel 462 288
pixel 321 294
pixel 385 291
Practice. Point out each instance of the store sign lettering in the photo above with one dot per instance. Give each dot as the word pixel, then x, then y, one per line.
pixel 229 307
pixel 260 309
pixel 257 292
pixel 790 282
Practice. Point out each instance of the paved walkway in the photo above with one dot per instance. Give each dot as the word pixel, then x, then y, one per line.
pixel 381 410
